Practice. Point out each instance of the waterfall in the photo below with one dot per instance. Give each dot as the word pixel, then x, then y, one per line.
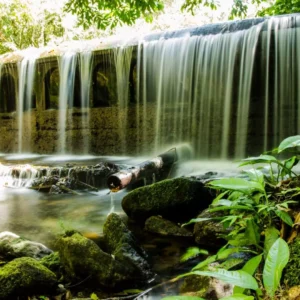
pixel 122 58
pixel 26 72
pixel 85 76
pixel 229 90
pixel 204 88
pixel 67 69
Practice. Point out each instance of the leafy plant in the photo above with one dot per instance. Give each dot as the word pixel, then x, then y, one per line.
pixel 255 208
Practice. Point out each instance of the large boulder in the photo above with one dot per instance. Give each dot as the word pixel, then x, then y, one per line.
pixel 122 244
pixel 13 246
pixel 161 226
pixel 81 258
pixel 176 199
pixel 24 277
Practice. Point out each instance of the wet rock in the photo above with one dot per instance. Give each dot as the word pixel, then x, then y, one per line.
pixel 206 287
pixel 161 226
pixel 209 233
pixel 25 276
pixel 176 199
pixel 12 246
pixel 83 260
pixel 122 244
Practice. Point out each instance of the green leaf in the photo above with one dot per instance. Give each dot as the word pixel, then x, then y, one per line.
pixel 237 207
pixel 252 233
pixel 250 267
pixel 237 296
pixel 284 216
pixel 271 236
pixel 255 175
pixel 182 298
pixel 219 197
pixel 258 160
pixel 237 184
pixel 196 221
pixel 290 142
pixel 205 262
pixel 276 260
pixel 239 278
pixel 192 252
pixel 224 253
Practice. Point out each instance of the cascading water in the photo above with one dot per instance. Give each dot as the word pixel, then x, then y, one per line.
pixel 86 58
pixel 26 87
pixel 67 67
pixel 122 57
pixel 229 90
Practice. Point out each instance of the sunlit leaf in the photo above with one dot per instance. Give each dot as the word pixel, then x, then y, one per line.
pixel 239 278
pixel 284 216
pixel 237 184
pixel 250 267
pixel 290 142
pixel 276 260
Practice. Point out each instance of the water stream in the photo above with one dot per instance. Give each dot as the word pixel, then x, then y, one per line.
pixel 67 64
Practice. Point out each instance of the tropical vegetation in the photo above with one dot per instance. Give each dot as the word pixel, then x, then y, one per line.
pixel 257 211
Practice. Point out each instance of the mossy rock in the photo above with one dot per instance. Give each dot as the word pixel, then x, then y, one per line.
pixel 209 233
pixel 26 276
pixel 53 263
pixel 291 271
pixel 176 199
pixel 206 287
pixel 161 226
pixel 82 259
pixel 122 244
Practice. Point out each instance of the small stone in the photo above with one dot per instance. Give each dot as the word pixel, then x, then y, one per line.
pixel 12 246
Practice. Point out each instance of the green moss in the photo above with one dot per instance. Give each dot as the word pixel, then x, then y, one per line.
pixel 52 262
pixel 176 199
pixel 291 271
pixel 198 285
pixel 25 276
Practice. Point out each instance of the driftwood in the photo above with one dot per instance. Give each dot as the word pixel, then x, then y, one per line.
pixel 146 169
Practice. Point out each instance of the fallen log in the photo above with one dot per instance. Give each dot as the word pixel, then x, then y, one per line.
pixel 158 165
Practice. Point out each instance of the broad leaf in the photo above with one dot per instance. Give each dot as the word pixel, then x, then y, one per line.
pixel 239 278
pixel 276 260
pixel 250 267
pixel 290 142
pixel 255 175
pixel 271 236
pixel 284 216
pixel 182 298
pixel 259 159
pixel 237 184
pixel 237 296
